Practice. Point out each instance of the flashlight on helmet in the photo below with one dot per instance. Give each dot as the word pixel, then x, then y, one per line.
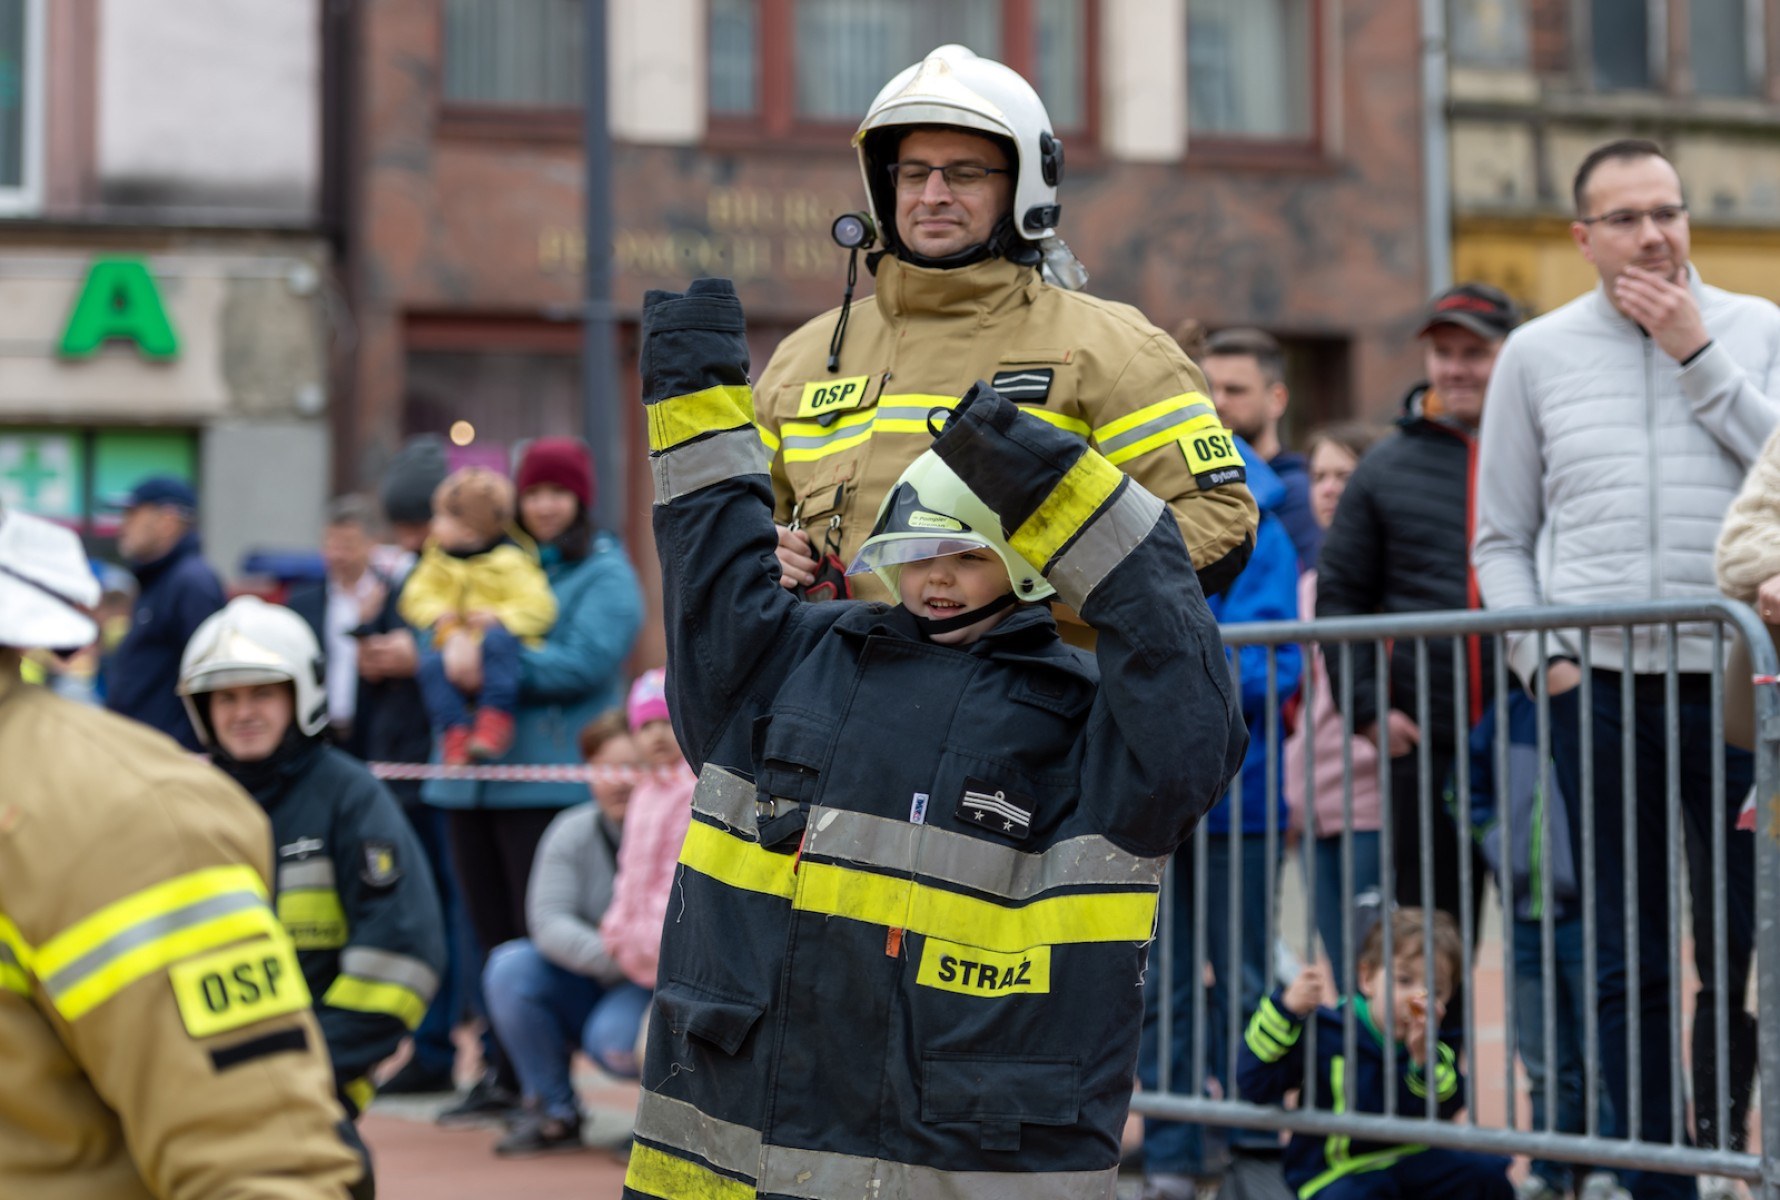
pixel 853 231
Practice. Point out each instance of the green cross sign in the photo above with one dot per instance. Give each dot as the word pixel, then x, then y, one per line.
pixel 39 473
pixel 119 300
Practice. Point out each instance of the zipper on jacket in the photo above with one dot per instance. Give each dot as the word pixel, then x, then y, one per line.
pixel 1650 430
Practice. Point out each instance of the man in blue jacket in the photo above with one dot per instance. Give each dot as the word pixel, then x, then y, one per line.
pixel 1235 831
pixel 159 540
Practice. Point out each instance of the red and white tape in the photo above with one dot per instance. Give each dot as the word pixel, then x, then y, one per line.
pixel 519 773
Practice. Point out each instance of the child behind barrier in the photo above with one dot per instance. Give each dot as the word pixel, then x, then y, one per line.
pixel 475 583
pixel 1273 1062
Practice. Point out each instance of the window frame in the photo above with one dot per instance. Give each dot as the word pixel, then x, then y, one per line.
pixel 1755 55
pixel 775 122
pixel 26 199
pixel 1239 150
pixel 511 122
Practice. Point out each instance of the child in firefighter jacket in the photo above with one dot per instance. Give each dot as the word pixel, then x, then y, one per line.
pixel 912 911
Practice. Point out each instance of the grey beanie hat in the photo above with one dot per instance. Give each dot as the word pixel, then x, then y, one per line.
pixel 413 475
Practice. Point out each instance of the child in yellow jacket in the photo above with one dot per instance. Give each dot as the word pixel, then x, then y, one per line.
pixel 475 582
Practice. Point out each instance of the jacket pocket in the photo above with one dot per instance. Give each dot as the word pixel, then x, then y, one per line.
pixel 999 1094
pixel 721 1021
pixel 791 753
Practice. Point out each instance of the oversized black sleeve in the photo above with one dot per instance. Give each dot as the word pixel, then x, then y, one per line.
pixel 733 634
pixel 1165 734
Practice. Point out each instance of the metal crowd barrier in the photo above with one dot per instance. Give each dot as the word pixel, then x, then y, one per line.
pixel 1415 641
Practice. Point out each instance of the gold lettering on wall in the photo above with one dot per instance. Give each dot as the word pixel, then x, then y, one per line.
pixel 751 235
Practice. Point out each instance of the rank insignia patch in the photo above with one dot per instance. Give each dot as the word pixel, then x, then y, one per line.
pixel 996 809
pixel 381 868
pixel 1028 386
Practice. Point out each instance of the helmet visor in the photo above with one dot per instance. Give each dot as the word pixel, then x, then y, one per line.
pixel 895 549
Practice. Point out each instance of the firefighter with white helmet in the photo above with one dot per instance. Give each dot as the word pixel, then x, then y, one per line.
pixel 156 1038
pixel 352 887
pixel 961 168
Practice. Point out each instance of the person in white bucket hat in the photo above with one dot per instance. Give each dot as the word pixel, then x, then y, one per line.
pixel 156 1037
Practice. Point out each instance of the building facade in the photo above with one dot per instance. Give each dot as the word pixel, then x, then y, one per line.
pixel 1234 161
pixel 164 279
pixel 1536 84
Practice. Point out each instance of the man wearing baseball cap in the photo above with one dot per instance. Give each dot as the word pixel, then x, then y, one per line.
pixel 159 540
pixel 1400 542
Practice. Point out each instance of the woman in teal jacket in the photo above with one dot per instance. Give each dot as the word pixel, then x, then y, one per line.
pixel 573 677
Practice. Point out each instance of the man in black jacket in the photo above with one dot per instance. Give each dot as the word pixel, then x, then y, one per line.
pixel 1400 542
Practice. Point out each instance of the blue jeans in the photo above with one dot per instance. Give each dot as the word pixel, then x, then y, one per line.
pixel 1332 892
pixel 1171 1147
pixel 542 1013
pixel 1568 994
pixel 445 705
pixel 1656 1056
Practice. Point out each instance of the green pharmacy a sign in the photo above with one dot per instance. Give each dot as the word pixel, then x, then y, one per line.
pixel 119 302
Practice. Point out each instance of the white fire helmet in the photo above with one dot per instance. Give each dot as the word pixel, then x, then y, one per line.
pixel 252 642
pixel 931 513
pixel 47 590
pixel 953 86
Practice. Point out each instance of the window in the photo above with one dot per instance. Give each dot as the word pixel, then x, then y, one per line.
pixel 1250 72
pixel 785 63
pixel 513 53
pixel 21 104
pixel 1724 37
pixel 1619 44
pixel 76 476
pixel 1488 33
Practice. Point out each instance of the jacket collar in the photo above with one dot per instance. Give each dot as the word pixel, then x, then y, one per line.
pixel 1421 413
pixel 1028 634
pixel 1603 304
pixel 905 290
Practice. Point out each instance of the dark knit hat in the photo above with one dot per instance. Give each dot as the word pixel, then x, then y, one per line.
pixel 411 478
pixel 561 461
pixel 479 498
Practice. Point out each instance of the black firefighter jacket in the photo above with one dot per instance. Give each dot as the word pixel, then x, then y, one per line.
pixel 354 890
pixel 1401 542
pixel 905 952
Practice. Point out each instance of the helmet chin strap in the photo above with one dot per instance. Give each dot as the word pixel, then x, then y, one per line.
pixel 1003 242
pixel 966 619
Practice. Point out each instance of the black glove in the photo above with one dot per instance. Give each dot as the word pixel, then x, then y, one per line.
pixel 1010 459
pixel 693 341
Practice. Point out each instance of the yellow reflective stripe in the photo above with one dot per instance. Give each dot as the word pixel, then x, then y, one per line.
pixel 1276 1022
pixel 656 1173
pixel 1166 437
pixel 807 441
pixel 827 448
pixel 922 908
pixel 374 996
pixel 361 1092
pixel 1446 1076
pixel 97 957
pixel 12 939
pixel 1131 420
pixel 681 418
pixel 768 438
pixel 1072 504
pixel 1074 425
pixel 739 863
pixel 1269 1034
pixel 314 918
pixel 14 954
pixel 1335 1149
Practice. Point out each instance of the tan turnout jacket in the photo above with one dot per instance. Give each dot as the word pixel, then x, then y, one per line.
pixel 155 1033
pixel 1098 369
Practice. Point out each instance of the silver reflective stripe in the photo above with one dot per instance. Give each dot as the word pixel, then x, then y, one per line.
pixel 144 932
pixel 675 1123
pixel 308 873
pixel 384 966
pixel 7 957
pixel 1153 426
pixel 727 797
pixel 815 441
pixel 816 1175
pixel 983 866
pixel 687 468
pixel 1103 544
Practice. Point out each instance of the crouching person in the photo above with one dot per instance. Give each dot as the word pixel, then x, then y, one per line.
pixel 352 884
pixel 912 913
pixel 1272 1064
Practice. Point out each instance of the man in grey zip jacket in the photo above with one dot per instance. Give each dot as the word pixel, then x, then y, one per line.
pixel 1616 433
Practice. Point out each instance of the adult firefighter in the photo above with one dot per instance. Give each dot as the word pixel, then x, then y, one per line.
pixel 961 170
pixel 913 909
pixel 155 1034
pixel 353 886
